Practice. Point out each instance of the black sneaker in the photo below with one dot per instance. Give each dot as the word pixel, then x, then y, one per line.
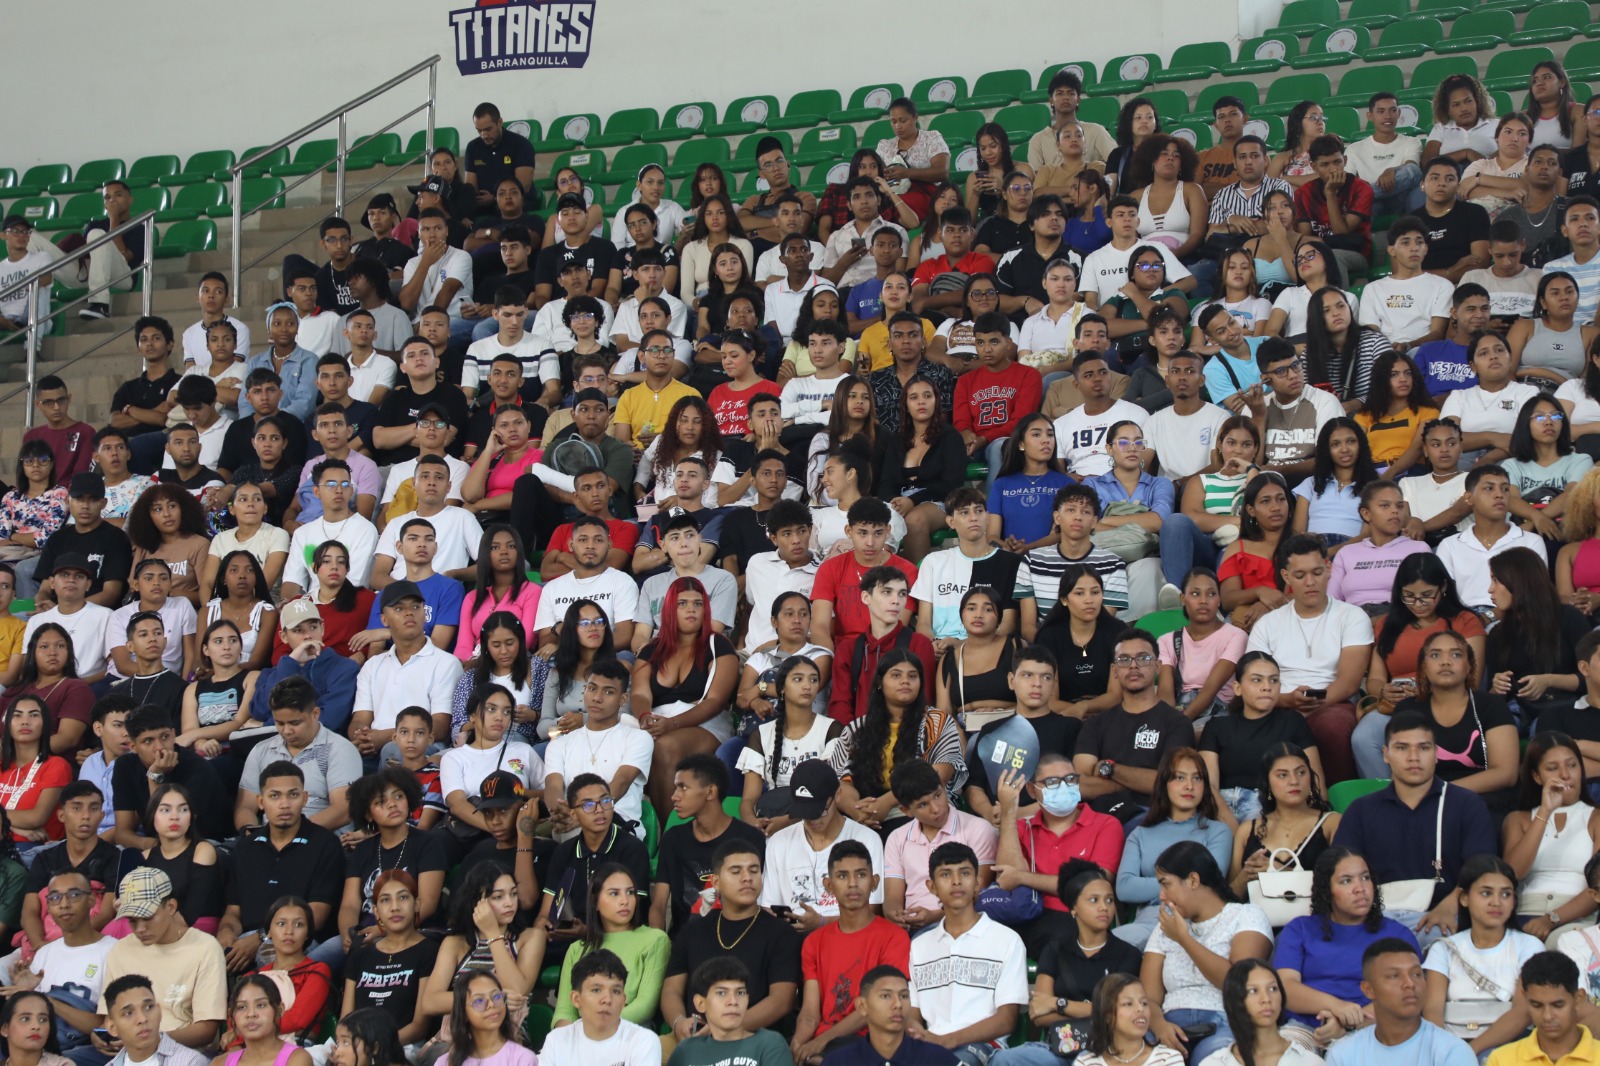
pixel 95 311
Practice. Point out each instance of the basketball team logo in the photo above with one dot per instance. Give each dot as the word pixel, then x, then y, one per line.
pixel 500 35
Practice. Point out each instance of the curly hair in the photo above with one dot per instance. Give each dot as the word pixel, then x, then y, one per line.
pixel 1125 119
pixel 1578 524
pixel 672 447
pixel 1142 164
pixel 1441 97
pixel 1322 892
pixel 142 532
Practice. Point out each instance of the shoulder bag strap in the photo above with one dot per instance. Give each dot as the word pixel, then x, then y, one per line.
pixel 1438 835
pixel 1483 982
pixel 1177 654
pixel 960 700
pixel 1314 831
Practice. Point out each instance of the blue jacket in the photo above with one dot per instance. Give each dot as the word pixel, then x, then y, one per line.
pixel 299 376
pixel 334 677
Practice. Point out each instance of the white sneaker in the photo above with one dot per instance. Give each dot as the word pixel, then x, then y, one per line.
pixel 1170 598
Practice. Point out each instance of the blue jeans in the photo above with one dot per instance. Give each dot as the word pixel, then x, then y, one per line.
pixel 1217 1040
pixel 976 1054
pixel 1030 1054
pixel 1205 278
pixel 461 330
pixel 1366 744
pixel 1245 803
pixel 1405 197
pixel 729 752
pixel 994 454
pixel 1184 546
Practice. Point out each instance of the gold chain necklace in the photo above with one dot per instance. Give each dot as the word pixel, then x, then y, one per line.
pixel 741 936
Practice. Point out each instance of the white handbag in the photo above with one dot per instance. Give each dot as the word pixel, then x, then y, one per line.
pixel 1285 894
pixel 1416 893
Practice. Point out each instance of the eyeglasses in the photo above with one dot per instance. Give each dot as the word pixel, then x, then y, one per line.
pixel 591 623
pixel 984 294
pixel 484 1002
pixel 774 164
pixel 657 349
pixel 582 314
pixel 336 484
pixel 71 895
pixel 1058 779
pixel 59 402
pixel 1412 599
pixel 1283 371
pixel 39 460
pixel 604 803
pixel 1019 188
pixel 1123 442
pixel 1146 268
pixel 1548 419
pixel 1306 257
pixel 1145 659
pixel 423 423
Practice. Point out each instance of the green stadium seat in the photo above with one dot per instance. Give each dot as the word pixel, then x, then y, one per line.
pixel 1128 74
pixel 443 137
pixel 182 238
pixel 193 201
pixel 371 151
pixel 1334 47
pixel 825 144
pixel 1582 61
pixel 75 211
pixel 522 127
pixel 1407 39
pixel 625 165
pixel 744 157
pixel 957 127
pixel 876 132
pixel 996 88
pixel 1500 102
pixel 1428 74
pixel 680 121
pixel 625 127
pixel 1344 793
pixel 1509 68
pixel 867 103
pixel 1040 93
pixel 1346 122
pixel 1478 31
pixel 1170 104
pixel 807 109
pixel 1159 623
pixel 933 95
pixel 824 174
pixel 750 184
pixel 8 177
pixel 1269 128
pixel 730 804
pixel 1516 6
pixel 1199 134
pixel 690 154
pixel 745 115
pixel 568 132
pixel 35 209
pixel 1286 92
pixel 1375 14
pixel 1444 10
pixel 91 176
pixel 1306 17
pixel 589 165
pixel 1195 61
pixel 150 198
pixel 1247 92
pixel 200 167
pixel 1263 55
pixel 1101 109
pixel 261 167
pixel 1358 84
pixel 1553 20
pixel 36 179
pixel 1023 119
pixel 309 158
pixel 253 193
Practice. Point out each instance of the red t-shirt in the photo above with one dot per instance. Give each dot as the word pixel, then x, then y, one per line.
pixel 624 535
pixel 20 792
pixel 991 404
pixel 1094 836
pixel 731 406
pixel 837 961
pixel 337 626
pixel 839 581
pixel 971 263
pixel 1356 197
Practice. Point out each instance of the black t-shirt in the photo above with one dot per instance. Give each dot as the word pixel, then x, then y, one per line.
pixel 1085 671
pixel 417 854
pixel 165 689
pixel 311 866
pixel 238 446
pixel 284 479
pixel 101 866
pixel 202 477
pixel 359 415
pixel 624 262
pixel 597 252
pixel 333 290
pixel 1450 236
pixel 1023 273
pixel 142 392
pixel 391 983
pixel 393 254
pixel 1238 742
pixel 105 546
pixel 492 164
pixel 1463 749
pixel 744 535
pixel 211 803
pixel 522 280
pixel 1076 974
pixel 685 863
pixel 1581 180
pixel 1506 652
pixel 567 864
pixel 132 240
pixel 1134 740
pixel 1000 235
pixel 401 406
pixel 1058 735
pixel 767 945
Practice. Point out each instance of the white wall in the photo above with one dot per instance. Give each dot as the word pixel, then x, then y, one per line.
pixel 186 75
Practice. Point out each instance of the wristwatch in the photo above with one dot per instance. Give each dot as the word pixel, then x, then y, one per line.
pixel 1106 767
pixel 1061 1005
pixel 1554 918
pixel 761 686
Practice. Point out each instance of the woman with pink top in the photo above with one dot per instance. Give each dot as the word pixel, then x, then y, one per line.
pixel 509 453
pixel 502 585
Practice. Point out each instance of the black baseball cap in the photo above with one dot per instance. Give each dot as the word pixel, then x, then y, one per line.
pixel 431 183
pixel 810 787
pixel 381 200
pixel 396 591
pixel 87 485
pixel 572 199
pixel 500 789
pixel 72 561
pixel 438 410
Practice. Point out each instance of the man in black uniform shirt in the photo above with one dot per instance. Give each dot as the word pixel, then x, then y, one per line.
pixel 495 154
pixel 699 787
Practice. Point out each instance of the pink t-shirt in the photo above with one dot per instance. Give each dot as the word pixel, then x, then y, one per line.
pixel 1200 657
pixel 503 474
pixel 524 605
pixel 906 852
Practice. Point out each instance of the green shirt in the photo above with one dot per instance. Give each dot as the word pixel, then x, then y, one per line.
pixel 644 952
pixel 761 1048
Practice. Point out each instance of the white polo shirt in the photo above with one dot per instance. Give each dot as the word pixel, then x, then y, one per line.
pixel 386 686
pixel 1464 555
pixel 767 578
pixel 960 981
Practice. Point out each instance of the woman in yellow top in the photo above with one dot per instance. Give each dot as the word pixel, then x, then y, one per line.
pixel 874 342
pixel 1396 409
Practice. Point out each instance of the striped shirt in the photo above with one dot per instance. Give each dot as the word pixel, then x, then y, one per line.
pixel 1587 275
pixel 1039 577
pixel 1220 495
pixel 1232 200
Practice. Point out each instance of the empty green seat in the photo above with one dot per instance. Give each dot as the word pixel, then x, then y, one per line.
pixel 1199 134
pixel 825 143
pixel 258 169
pixel 1375 14
pixel 1288 91
pixel 1509 68
pixel 745 115
pixel 371 151
pixel 1582 61
pixel 200 167
pixel 417 143
pixel 1358 84
pixel 1263 55
pixel 690 154
pixel 1553 20
pixel 1407 39
pixel 309 158
pixel 1444 10
pixel 680 121
pixel 1346 122
pixel 568 132
pixel 91 176
pixel 75 211
pixel 626 164
pixel 522 127
pixel 957 127
pixel 875 132
pixel 933 95
pixel 996 88
pixel 36 179
pixel 1170 104
pixel 1306 17
pixel 1478 30
pixel 182 238
pixel 1128 74
pixel 1334 47
pixel 1026 119
pixel 149 198
pixel 744 157
pixel 625 127
pixel 1198 60
pixel 8 177
pixel 867 103
pixel 1269 128
pixel 193 201
pixel 35 209
pixel 253 193
pixel 807 109
pixel 1101 109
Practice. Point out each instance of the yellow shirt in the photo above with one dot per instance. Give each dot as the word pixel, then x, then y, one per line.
pixel 11 629
pixel 1527 1052
pixel 874 344
pixel 800 356
pixel 640 406
pixel 1390 437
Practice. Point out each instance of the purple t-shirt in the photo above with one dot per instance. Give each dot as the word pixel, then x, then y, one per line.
pixel 1363 574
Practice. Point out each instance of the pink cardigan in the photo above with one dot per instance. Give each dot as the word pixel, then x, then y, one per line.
pixel 523 606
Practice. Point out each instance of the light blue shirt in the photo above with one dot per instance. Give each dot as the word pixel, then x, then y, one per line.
pixel 299 376
pixel 1219 386
pixel 1154 492
pixel 1430 1046
pixel 1587 275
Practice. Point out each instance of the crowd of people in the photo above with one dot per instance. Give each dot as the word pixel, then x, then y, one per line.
pixel 558 632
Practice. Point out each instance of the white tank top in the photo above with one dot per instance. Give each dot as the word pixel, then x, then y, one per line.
pixel 1557 871
pixel 1548 131
pixel 1173 223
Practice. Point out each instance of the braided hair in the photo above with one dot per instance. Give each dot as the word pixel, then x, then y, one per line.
pixel 780 716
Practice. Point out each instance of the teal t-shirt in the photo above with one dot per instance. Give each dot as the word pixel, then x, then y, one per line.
pixel 761 1048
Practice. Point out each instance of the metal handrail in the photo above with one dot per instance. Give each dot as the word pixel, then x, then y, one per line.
pixel 147 222
pixel 339 114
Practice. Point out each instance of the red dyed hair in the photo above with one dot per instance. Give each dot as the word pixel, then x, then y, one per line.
pixel 666 642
